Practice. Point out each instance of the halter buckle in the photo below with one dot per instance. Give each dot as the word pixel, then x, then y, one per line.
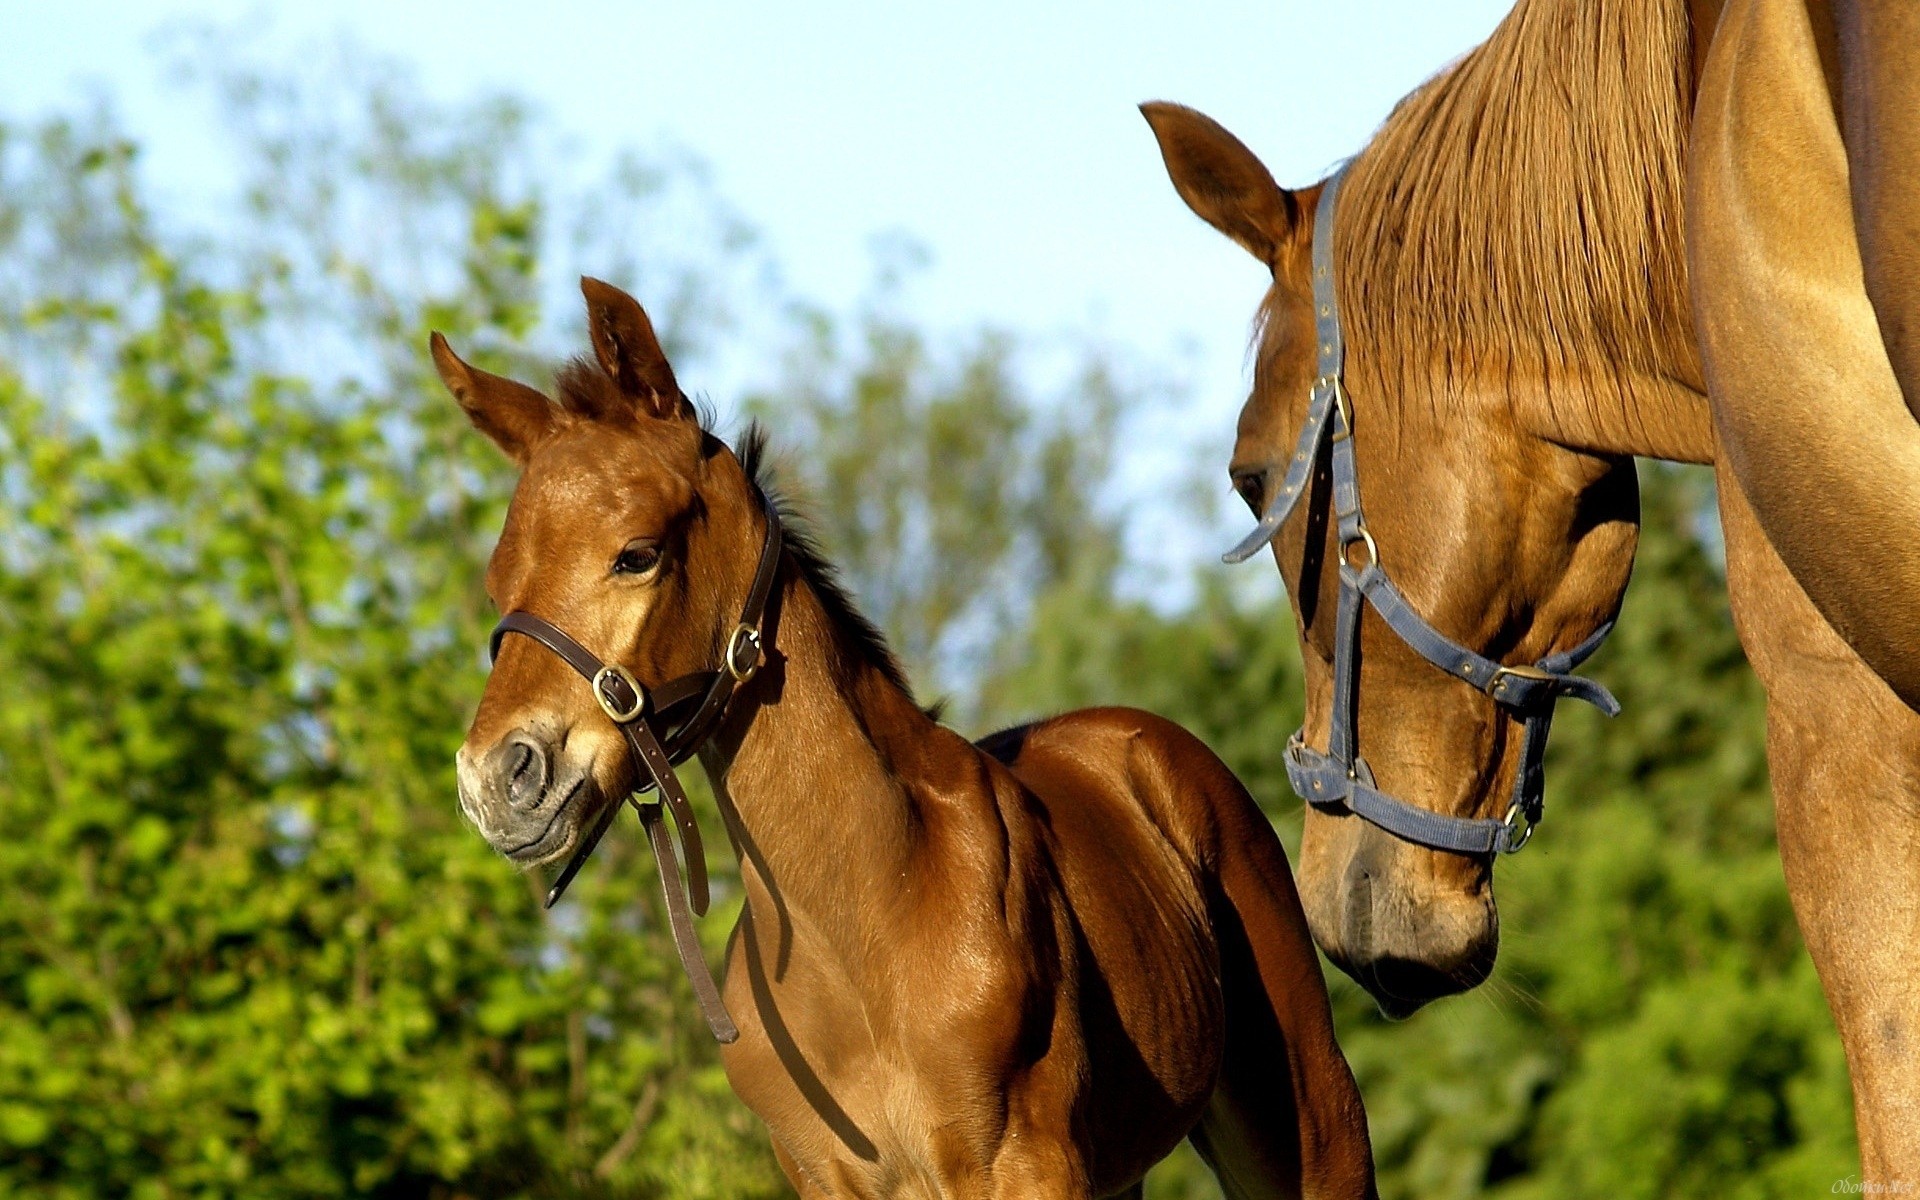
pixel 1497 684
pixel 618 715
pixel 743 638
pixel 1517 819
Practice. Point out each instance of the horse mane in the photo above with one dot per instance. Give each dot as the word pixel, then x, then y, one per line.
pixel 857 636
pixel 1520 216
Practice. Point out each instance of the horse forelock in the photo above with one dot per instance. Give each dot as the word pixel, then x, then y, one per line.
pixel 1519 217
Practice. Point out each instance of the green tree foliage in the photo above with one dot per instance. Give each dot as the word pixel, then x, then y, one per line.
pixel 248 948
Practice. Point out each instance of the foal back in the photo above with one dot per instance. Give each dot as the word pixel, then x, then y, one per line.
pixel 1185 932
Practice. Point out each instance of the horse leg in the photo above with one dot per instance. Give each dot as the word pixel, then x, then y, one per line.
pixel 1285 1118
pixel 1845 757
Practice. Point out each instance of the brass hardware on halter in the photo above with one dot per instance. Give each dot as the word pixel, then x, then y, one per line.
pixel 1518 672
pixel 743 637
pixel 615 671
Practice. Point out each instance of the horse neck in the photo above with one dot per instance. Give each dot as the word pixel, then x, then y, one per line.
pixel 1648 413
pixel 814 770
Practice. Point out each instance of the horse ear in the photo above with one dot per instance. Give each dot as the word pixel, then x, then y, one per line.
pixel 628 351
pixel 515 416
pixel 1221 180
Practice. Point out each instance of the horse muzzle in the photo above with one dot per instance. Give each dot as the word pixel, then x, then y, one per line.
pixel 525 796
pixel 1407 933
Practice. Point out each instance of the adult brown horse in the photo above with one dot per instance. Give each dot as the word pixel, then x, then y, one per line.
pixel 1020 969
pixel 1508 266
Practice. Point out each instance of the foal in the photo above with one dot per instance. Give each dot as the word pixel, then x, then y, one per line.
pixel 1025 968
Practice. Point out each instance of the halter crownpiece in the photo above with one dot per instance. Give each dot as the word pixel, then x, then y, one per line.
pixel 689 709
pixel 1338 780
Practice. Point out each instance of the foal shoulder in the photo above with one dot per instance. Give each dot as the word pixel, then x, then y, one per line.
pixel 1121 763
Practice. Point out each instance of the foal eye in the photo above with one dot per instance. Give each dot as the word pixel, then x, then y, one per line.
pixel 1251 485
pixel 638 558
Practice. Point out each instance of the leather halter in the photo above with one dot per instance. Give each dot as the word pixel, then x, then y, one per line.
pixel 1338 780
pixel 689 709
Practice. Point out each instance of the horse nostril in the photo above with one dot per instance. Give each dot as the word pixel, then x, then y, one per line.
pixel 526 772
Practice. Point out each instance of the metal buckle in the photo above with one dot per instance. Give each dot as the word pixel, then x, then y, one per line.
pixel 747 637
pixel 1342 403
pixel 1539 674
pixel 1517 819
pixel 616 671
pixel 1373 549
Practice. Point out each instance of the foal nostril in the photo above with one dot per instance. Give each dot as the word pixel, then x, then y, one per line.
pixel 524 764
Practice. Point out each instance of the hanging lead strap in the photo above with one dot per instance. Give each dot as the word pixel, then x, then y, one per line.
pixel 679 919
pixel 680 922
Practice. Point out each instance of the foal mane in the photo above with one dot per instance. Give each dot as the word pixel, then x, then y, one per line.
pixel 857 636
pixel 1518 218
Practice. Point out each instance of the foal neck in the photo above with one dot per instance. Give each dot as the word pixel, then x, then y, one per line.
pixel 816 769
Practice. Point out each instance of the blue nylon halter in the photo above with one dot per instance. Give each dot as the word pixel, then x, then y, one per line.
pixel 1338 780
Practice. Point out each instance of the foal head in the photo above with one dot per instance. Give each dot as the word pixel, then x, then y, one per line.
pixel 1503 536
pixel 633 529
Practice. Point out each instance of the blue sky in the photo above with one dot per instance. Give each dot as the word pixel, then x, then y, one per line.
pixel 1000 135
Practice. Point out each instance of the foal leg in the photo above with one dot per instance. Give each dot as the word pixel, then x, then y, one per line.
pixel 1845 758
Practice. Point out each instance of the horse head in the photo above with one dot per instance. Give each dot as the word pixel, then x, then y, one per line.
pixel 624 532
pixel 1500 531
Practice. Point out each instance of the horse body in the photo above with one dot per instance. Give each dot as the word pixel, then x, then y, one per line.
pixel 1032 992
pixel 1522 310
pixel 1019 970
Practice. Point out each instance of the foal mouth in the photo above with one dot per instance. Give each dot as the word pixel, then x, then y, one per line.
pixel 554 839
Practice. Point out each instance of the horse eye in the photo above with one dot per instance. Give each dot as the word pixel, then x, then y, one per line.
pixel 638 558
pixel 1251 485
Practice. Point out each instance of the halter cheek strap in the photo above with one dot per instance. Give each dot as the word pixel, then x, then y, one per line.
pixel 689 709
pixel 1338 780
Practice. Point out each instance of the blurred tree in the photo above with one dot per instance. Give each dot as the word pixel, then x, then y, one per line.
pixel 951 496
pixel 246 947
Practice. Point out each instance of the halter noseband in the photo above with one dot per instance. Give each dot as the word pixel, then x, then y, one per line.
pixel 1339 780
pixel 689 709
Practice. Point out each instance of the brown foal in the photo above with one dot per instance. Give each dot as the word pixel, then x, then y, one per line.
pixel 1023 968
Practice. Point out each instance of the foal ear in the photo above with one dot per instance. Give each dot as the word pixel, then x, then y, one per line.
pixel 1221 180
pixel 628 351
pixel 515 416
